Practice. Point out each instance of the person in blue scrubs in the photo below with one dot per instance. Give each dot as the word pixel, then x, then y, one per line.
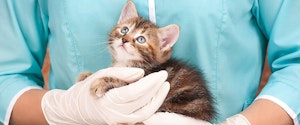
pixel 228 40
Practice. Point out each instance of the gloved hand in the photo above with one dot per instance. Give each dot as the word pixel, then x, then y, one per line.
pixel 238 119
pixel 128 104
pixel 165 118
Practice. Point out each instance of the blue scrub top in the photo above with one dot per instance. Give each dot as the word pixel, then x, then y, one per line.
pixel 227 39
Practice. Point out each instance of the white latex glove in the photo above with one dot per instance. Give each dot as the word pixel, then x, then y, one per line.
pixel 128 104
pixel 238 119
pixel 165 118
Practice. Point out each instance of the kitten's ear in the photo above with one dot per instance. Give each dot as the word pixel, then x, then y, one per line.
pixel 129 11
pixel 169 36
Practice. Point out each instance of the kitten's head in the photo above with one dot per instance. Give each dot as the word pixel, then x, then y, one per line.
pixel 137 42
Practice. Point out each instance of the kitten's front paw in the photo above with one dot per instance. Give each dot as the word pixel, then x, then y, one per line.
pixel 100 86
pixel 139 123
pixel 83 76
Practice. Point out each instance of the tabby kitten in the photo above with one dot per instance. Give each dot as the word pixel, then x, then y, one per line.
pixel 136 42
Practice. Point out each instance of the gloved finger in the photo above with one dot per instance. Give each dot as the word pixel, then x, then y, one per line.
pixel 127 74
pixel 166 118
pixel 149 109
pixel 156 101
pixel 133 91
pixel 130 106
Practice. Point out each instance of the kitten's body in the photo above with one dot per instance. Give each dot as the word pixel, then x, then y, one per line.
pixel 136 42
pixel 188 94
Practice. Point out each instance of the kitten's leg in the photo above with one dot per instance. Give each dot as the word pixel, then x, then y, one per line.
pixel 192 101
pixel 102 85
pixel 139 123
pixel 83 76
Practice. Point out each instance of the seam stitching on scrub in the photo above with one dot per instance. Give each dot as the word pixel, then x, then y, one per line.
pixel 72 39
pixel 219 31
pixel 45 28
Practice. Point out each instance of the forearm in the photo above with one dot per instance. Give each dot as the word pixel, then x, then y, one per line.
pixel 27 109
pixel 265 112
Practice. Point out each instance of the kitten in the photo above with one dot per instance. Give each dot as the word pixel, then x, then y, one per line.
pixel 136 42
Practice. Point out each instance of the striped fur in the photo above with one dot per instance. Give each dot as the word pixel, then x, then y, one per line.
pixel 188 94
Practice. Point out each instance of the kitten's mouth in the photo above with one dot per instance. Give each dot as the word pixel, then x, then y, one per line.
pixel 123 47
pixel 127 48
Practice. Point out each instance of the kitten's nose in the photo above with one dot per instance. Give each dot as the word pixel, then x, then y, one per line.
pixel 124 40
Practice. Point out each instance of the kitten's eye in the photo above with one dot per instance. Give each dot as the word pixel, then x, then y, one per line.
pixel 141 39
pixel 124 30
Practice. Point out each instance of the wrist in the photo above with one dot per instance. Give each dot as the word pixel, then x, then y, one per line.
pixel 27 109
pixel 258 113
pixel 60 108
pixel 238 119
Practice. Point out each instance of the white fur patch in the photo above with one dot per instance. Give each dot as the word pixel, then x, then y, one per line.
pixel 124 52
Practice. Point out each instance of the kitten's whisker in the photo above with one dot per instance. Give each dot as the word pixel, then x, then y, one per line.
pixel 99 43
pixel 103 50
